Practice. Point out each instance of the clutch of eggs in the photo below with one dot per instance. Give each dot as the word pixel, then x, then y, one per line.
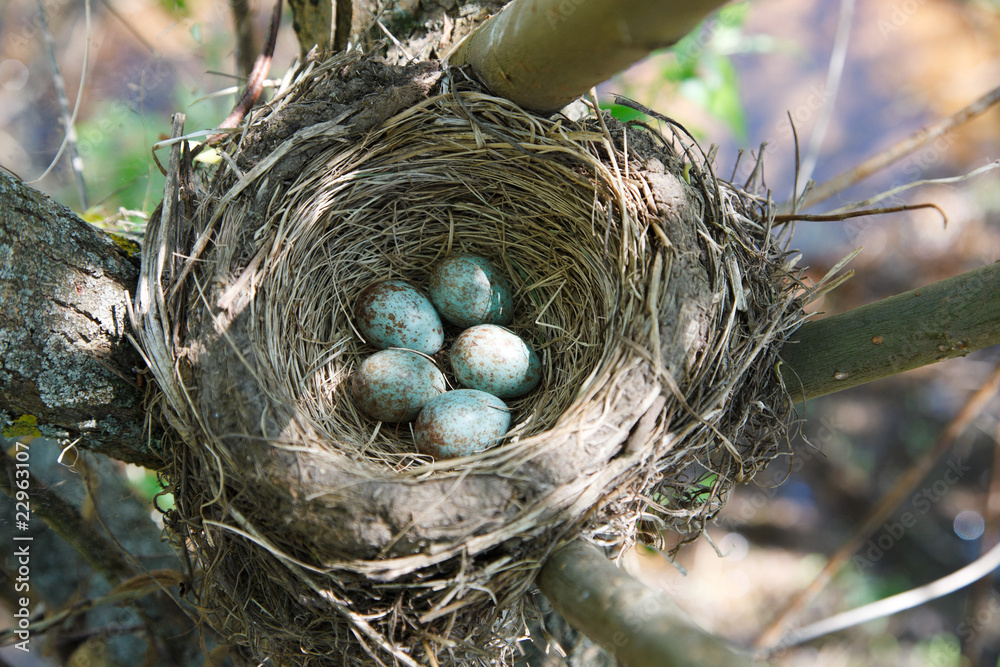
pixel 400 384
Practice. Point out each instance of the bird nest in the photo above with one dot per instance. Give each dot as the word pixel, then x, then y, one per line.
pixel 654 293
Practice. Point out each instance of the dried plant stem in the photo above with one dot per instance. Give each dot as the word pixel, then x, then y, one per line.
pixel 772 635
pixel 947 319
pixel 639 626
pixel 543 54
pixel 848 178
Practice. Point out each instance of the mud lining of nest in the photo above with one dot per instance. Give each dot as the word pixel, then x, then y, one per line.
pixel 655 294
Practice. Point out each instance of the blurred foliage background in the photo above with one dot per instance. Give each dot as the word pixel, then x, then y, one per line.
pixel 739 82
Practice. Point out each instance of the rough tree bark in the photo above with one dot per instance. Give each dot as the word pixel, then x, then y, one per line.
pixel 65 361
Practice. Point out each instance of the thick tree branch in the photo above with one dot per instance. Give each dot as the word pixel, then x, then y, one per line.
pixel 543 54
pixel 947 319
pixel 64 356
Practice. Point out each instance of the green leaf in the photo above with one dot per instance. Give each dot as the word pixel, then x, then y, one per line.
pixel 734 15
pixel 725 102
pixel 622 113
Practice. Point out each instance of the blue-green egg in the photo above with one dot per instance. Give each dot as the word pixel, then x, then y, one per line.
pixel 469 290
pixel 394 385
pixel 460 423
pixel 495 360
pixel 393 313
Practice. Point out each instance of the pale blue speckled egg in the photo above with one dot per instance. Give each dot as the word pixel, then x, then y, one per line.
pixel 460 423
pixel 393 313
pixel 468 290
pixel 394 385
pixel 495 360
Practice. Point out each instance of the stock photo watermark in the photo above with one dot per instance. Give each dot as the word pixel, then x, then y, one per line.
pixel 921 502
pixel 825 433
pixel 899 15
pixel 20 559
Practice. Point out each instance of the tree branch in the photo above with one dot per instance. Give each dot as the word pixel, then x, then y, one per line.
pixel 246 49
pixel 543 54
pixel 314 23
pixel 911 143
pixel 637 625
pixel 64 357
pixel 946 319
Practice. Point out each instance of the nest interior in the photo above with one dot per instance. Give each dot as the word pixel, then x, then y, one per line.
pixel 655 294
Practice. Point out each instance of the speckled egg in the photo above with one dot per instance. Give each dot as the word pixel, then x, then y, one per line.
pixel 394 385
pixel 495 360
pixel 460 423
pixel 468 290
pixel 393 313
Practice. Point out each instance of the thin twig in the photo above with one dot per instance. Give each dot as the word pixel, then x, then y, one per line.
pixel 926 181
pixel 848 178
pixel 772 634
pixel 69 119
pixel 129 591
pixel 977 569
pixel 837 217
pixel 835 73
pixel 254 85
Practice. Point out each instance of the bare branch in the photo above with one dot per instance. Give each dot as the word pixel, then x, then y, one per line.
pixel 543 54
pixel 639 626
pixel 878 162
pixel 947 319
